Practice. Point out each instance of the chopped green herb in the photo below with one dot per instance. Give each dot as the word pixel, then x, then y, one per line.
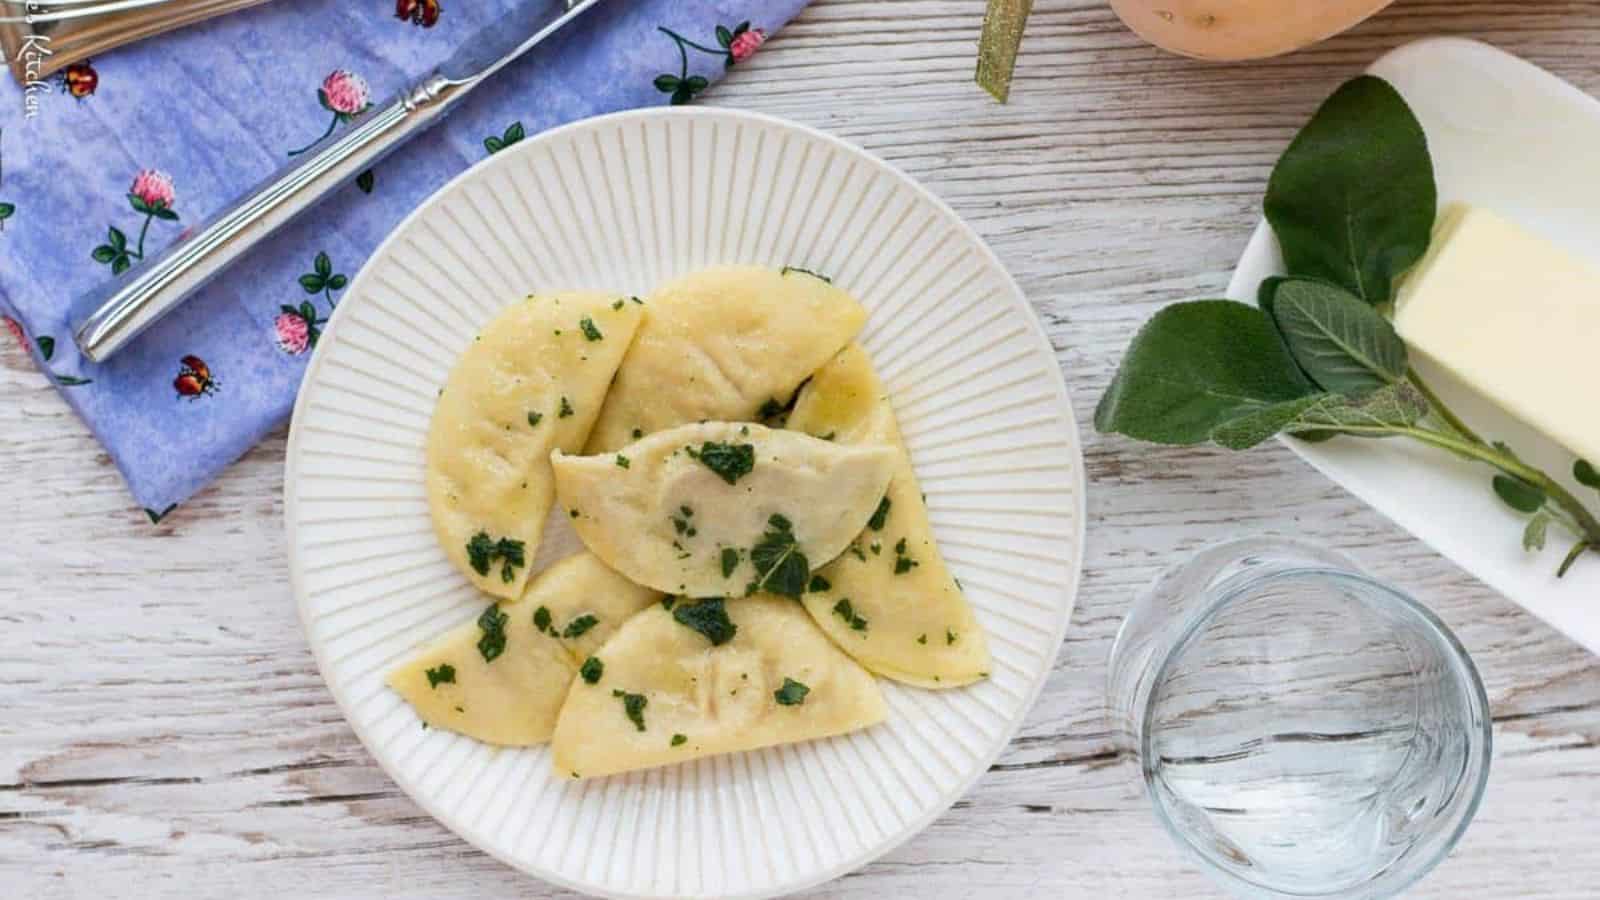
pixel 592 669
pixel 590 332
pixel 818 584
pixel 493 625
pixel 483 550
pixel 579 626
pixel 687 512
pixel 534 419
pixel 480 552
pixel 573 513
pixel 509 549
pixel 668 602
pixel 922 639
pixel 855 550
pixel 902 562
pixel 637 300
pixel 638 433
pixel 949 637
pixel 877 548
pixel 444 674
pixel 818 275
pixel 730 461
pixel 793 693
pixel 845 611
pixel 880 515
pixel 681 525
pixel 730 561
pixel 780 566
pixel 512 553
pixel 622 461
pixel 633 705
pixel 617 305
pixel 679 740
pixel 566 409
pixel 710 618
pixel 541 619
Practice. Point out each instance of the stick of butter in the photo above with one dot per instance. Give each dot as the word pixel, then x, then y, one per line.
pixel 1514 317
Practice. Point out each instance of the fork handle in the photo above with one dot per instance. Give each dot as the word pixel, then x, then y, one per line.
pixel 122 309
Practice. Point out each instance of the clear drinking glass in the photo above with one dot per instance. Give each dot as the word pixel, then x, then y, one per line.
pixel 1303 730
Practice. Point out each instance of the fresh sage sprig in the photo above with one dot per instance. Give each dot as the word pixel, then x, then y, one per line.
pixel 1352 202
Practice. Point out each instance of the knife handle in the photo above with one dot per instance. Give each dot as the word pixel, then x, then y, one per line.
pixel 124 308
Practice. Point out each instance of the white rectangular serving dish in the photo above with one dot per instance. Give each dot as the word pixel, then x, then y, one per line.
pixel 1508 135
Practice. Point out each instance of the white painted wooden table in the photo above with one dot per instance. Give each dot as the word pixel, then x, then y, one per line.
pixel 163 731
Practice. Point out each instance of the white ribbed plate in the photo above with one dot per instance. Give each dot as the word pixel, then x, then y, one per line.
pixel 620 203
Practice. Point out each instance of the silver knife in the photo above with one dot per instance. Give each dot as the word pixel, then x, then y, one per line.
pixel 153 288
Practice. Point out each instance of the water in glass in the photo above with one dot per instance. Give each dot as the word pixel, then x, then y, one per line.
pixel 1303 729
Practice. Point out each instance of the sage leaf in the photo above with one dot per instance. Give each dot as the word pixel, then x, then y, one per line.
pixel 1581 470
pixel 1195 366
pixel 1533 537
pixel 1340 342
pixel 1389 409
pixel 1318 417
pixel 1518 494
pixel 1267 292
pixel 1353 199
pixel 1253 428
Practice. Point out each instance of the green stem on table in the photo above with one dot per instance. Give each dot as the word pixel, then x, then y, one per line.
pixel 1583 523
pixel 1569 510
pixel 1444 413
pixel 1572 557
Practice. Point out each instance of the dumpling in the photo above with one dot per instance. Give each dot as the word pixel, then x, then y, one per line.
pixel 531 382
pixel 890 602
pixel 720 344
pixel 722 508
pixel 503 678
pixel 710 677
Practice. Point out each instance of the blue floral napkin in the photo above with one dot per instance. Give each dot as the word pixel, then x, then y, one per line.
pixel 114 158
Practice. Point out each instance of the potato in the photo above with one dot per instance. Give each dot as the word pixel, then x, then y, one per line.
pixel 1240 29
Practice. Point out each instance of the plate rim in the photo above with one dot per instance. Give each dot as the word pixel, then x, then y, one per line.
pixel 1068 592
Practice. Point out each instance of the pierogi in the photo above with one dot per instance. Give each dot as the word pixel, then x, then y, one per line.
pixel 533 381
pixel 710 677
pixel 503 677
pixel 889 601
pixel 723 508
pixel 721 344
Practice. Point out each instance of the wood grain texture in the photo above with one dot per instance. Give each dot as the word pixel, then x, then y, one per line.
pixel 163 730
